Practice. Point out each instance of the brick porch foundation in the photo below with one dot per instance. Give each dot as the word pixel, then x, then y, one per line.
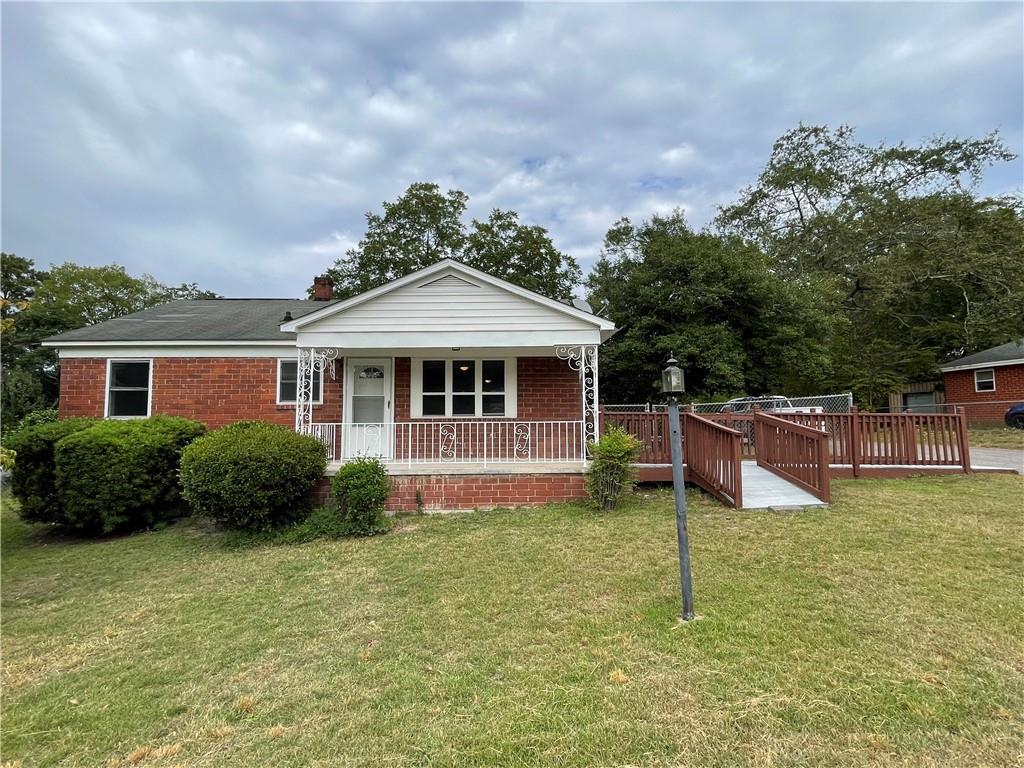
pixel 455 492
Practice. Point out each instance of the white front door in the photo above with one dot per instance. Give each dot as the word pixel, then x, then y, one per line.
pixel 368 422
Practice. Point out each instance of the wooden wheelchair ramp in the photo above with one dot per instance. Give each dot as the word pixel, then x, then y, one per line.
pixel 762 488
pixel 792 467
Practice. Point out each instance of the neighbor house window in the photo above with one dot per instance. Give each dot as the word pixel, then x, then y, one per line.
pixel 985 380
pixel 128 388
pixel 288 383
pixel 466 387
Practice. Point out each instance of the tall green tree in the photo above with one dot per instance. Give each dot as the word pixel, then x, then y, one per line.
pixel 922 269
pixel 37 304
pixel 713 301
pixel 521 254
pixel 424 225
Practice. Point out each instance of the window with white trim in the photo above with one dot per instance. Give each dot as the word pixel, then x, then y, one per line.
pixel 288 383
pixel 985 380
pixel 128 388
pixel 464 387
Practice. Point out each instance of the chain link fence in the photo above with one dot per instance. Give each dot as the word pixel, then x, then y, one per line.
pixel 835 403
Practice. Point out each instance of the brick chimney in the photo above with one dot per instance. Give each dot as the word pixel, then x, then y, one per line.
pixel 323 288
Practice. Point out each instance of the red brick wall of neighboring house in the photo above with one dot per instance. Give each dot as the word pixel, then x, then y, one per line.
pixel 213 390
pixel 982 407
pixel 453 492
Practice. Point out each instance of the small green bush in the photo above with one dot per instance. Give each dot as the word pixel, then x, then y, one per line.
pixel 253 476
pixel 361 488
pixel 34 478
pixel 122 475
pixel 31 419
pixel 611 471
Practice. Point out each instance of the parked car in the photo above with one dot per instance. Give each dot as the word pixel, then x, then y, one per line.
pixel 1015 416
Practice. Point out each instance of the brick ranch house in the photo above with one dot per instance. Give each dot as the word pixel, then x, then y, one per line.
pixel 986 383
pixel 474 392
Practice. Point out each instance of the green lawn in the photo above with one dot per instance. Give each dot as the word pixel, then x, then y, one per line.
pixel 996 437
pixel 886 630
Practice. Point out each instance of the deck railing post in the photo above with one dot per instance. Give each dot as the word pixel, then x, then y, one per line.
pixel 855 440
pixel 962 437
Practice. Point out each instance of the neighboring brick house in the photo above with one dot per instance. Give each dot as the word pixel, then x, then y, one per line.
pixel 474 392
pixel 986 383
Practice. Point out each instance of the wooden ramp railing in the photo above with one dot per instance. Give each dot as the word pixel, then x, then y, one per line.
pixel 794 452
pixel 713 458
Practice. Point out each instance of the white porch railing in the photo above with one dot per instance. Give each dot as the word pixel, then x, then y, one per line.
pixel 456 442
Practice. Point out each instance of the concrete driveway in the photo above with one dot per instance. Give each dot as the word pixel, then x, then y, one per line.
pixel 1007 458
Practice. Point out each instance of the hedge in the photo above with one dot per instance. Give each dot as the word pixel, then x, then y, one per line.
pixel 34 481
pixel 254 476
pixel 122 475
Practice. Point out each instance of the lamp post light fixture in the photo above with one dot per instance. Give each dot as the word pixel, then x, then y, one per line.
pixel 672 384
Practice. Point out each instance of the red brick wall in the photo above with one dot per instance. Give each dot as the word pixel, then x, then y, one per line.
pixel 83 382
pixel 985 406
pixel 213 390
pixel 450 492
pixel 219 390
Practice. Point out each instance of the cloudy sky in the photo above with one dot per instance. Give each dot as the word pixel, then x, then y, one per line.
pixel 239 145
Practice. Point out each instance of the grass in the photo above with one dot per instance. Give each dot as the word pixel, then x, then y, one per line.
pixel 887 630
pixel 996 437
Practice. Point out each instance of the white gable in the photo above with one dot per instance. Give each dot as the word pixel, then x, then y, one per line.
pixel 450 307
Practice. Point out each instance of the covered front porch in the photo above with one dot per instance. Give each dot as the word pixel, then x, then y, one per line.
pixel 470 389
pixel 431 410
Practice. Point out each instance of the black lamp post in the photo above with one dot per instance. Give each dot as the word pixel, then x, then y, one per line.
pixel 672 385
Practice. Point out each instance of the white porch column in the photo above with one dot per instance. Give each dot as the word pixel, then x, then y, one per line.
pixel 310 360
pixel 583 359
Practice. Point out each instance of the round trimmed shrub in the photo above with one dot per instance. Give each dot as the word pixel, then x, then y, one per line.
pixel 34 477
pixel 361 488
pixel 122 475
pixel 252 475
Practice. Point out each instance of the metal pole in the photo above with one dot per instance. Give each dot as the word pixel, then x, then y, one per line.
pixel 680 490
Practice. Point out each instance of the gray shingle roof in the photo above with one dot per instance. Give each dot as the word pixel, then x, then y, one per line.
pixel 199 320
pixel 1011 350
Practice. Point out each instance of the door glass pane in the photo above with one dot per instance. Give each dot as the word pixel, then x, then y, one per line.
pixel 433 405
pixel 367 410
pixel 433 376
pixel 463 376
pixel 129 375
pixel 369 380
pixel 494 405
pixel 494 375
pixel 128 402
pixel 463 405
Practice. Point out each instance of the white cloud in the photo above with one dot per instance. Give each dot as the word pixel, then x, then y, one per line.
pixel 240 145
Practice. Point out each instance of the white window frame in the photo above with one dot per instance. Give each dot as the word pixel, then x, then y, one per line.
pixel 319 400
pixel 416 388
pixel 985 370
pixel 149 386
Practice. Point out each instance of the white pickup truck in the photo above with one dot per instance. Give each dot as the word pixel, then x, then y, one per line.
pixel 773 403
